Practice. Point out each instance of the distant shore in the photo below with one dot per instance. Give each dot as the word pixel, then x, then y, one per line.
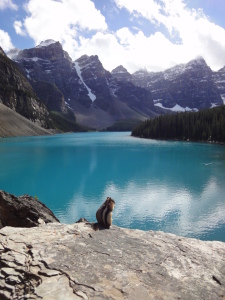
pixel 179 140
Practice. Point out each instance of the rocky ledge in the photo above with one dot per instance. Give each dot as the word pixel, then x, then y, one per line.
pixel 58 261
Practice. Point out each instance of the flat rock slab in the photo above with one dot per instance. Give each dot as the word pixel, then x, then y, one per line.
pixel 58 261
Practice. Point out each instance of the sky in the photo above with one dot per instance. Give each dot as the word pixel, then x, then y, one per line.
pixel 138 34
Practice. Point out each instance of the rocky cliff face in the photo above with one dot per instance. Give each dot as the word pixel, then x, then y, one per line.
pixel 48 68
pixel 93 77
pixel 190 86
pixel 17 93
pixel 219 79
pixel 120 99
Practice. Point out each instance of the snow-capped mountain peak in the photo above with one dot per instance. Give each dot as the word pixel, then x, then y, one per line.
pixel 119 69
pixel 46 43
pixel 121 74
pixel 172 73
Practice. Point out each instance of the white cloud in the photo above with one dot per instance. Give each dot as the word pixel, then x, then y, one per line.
pixel 105 45
pixel 19 28
pixel 4 4
pixel 209 40
pixel 60 20
pixel 197 35
pixel 190 34
pixel 133 51
pixel 149 9
pixel 5 41
pixel 82 29
pixel 149 51
pixel 159 200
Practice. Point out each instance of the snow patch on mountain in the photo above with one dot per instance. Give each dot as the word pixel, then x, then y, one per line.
pixel 68 104
pixel 176 108
pixel 89 65
pixel 223 98
pixel 213 105
pixel 90 94
pixel 113 87
pixel 28 73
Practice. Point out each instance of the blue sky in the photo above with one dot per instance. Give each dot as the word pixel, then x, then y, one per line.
pixel 151 34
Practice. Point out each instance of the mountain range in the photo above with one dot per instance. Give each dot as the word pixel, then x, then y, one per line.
pixel 56 88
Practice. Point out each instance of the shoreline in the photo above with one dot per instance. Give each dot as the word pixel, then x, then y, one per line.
pixel 181 140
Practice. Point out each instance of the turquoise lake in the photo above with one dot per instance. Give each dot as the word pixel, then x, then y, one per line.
pixel 176 187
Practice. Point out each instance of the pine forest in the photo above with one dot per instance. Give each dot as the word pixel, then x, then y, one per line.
pixel 205 125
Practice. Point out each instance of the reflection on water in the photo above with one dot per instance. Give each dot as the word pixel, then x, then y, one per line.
pixel 171 186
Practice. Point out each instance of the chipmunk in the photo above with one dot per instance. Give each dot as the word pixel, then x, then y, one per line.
pixel 104 213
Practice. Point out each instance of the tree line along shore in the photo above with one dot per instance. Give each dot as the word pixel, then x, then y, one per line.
pixel 205 125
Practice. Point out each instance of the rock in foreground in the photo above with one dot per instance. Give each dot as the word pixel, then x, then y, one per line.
pixel 23 211
pixel 57 261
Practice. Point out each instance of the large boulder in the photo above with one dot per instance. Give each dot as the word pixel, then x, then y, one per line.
pixel 23 211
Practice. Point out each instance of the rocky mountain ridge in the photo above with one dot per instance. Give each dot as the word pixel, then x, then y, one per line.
pixel 191 87
pixel 40 102
pixel 83 86
pixel 39 65
pixel 99 98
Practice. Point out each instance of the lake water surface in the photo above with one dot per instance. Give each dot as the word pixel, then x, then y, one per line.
pixel 176 187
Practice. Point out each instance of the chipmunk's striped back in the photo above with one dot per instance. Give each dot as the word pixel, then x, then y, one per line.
pixel 104 213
